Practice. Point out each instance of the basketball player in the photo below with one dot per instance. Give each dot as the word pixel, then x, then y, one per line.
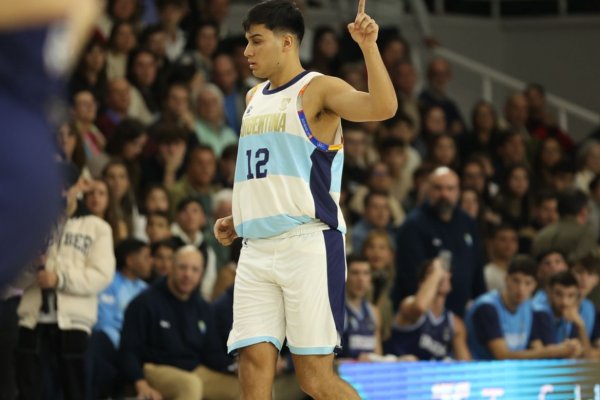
pixel 291 274
pixel 39 40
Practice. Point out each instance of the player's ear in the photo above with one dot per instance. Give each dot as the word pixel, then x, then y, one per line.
pixel 289 41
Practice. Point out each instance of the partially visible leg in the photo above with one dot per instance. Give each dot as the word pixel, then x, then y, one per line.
pixel 173 383
pixel 257 371
pixel 217 385
pixel 28 365
pixel 72 367
pixel 318 379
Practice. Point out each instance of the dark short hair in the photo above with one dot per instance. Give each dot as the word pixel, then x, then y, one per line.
pixel 543 196
pixel 590 263
pixel 276 15
pixel 169 132
pixel 128 130
pixel 125 248
pixel 537 87
pixel 355 258
pixel 170 243
pixel 523 264
pixel 504 226
pixel 399 117
pixel 571 202
pixel 546 253
pixel 564 278
pixel 373 193
pixel 229 152
pixel 159 214
pixel 389 144
pixel 187 201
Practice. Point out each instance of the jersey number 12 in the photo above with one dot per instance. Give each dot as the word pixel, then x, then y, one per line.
pixel 262 158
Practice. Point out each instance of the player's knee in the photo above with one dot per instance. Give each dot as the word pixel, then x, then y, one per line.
pixel 315 385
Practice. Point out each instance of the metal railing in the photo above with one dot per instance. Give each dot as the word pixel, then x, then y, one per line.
pixel 490 76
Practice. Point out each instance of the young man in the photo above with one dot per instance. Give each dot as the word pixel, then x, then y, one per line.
pixel 133 266
pixel 424 327
pixel 288 179
pixel 504 246
pixel 587 272
pixel 362 321
pixel 504 325
pixel 551 264
pixel 572 318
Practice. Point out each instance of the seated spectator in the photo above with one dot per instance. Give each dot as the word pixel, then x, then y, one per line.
pixel 505 325
pixel 116 176
pixel 121 42
pixel 362 333
pixel 170 14
pixel 222 203
pixel 190 220
pixel 484 121
pixel 169 344
pixel 166 166
pixel 142 73
pixel 504 245
pixel 562 177
pixel 325 51
pixel 404 79
pixel 158 227
pixel 356 157
pixel 514 202
pixel 545 212
pixel 210 127
pixel 380 180
pixel 84 114
pixel 516 115
pixel 90 73
pixel 594 204
pixel 72 149
pixel 434 123
pixel 540 123
pixel 547 156
pixel 394 153
pixel 439 75
pixel 588 161
pixel 587 273
pixel 127 144
pixel 377 215
pixel 118 102
pixel 440 225
pixel 162 258
pixel 59 303
pixel 424 327
pixel 571 234
pixel 510 150
pixel 378 249
pixel 100 203
pixel 572 318
pixel 155 198
pixel 226 167
pixel 199 178
pixel 203 44
pixel 133 267
pixel 225 76
pixel 442 152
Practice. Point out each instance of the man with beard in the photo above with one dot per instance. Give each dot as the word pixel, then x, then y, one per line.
pixel 440 226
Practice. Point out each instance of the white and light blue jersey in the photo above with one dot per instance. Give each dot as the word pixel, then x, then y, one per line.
pixel 284 177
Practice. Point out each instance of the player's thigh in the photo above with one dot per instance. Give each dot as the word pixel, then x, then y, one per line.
pixel 258 312
pixel 314 276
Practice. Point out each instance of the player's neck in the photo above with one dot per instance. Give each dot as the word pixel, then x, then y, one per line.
pixel 285 74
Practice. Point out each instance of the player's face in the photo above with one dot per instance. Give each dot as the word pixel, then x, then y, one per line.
pixel 359 279
pixel 263 51
pixel 520 287
pixel 186 273
pixel 562 298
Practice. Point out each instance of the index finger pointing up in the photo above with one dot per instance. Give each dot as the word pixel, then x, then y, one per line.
pixel 361 6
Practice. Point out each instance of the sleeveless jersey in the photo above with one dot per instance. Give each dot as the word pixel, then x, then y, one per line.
pixel 285 177
pixel 430 338
pixel 516 327
pixel 359 331
pixel 563 329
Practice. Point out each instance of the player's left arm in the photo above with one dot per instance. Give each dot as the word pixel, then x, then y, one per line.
pixel 380 102
pixel 459 340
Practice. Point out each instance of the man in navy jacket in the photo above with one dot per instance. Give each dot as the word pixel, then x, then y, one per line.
pixel 440 226
pixel 170 346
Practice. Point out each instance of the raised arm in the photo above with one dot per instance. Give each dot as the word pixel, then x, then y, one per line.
pixel 380 102
pixel 413 307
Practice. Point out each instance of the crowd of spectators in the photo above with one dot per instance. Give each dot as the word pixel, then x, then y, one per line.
pixel 469 237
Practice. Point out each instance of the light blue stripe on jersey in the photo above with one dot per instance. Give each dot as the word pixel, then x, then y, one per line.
pixel 272 226
pixel 289 163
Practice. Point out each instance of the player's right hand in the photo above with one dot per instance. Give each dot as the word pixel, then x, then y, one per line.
pixel 224 231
